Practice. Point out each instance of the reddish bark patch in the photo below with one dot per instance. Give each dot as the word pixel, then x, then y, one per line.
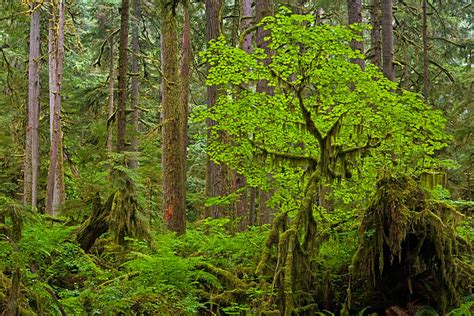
pixel 169 213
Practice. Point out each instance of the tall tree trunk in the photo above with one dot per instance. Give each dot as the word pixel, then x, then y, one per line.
pixel 426 74
pixel 32 140
pixel 122 77
pixel 354 11
pixel 110 110
pixel 55 187
pixel 240 182
pixel 216 174
pixel 135 86
pixel 52 64
pixel 263 8
pixel 375 40
pixel 184 81
pixel 387 39
pixel 173 113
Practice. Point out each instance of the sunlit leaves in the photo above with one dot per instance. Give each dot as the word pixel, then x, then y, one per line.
pixel 311 70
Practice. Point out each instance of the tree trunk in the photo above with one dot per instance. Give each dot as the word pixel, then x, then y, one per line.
pixel 173 114
pixel 184 80
pixel 135 86
pixel 96 225
pixel 252 198
pixel 235 23
pixel 375 40
pixel 387 39
pixel 263 8
pixel 32 140
pixel 14 294
pixel 122 77
pixel 216 174
pixel 354 11
pixel 246 14
pixel 110 110
pixel 264 212
pixel 55 187
pixel 240 182
pixel 426 74
pixel 52 64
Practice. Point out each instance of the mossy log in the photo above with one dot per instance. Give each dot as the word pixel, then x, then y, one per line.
pixel 96 225
pixel 409 249
pixel 223 275
pixel 233 289
pixel 121 214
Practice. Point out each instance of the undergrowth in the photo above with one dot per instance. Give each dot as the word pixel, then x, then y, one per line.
pixel 208 270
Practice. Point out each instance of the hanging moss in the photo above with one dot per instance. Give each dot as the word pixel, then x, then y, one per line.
pixel 126 216
pixel 296 244
pixel 409 249
pixel 121 214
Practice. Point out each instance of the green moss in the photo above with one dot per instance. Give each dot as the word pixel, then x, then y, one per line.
pixel 405 233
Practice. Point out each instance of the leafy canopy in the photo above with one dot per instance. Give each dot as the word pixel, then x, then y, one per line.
pixel 325 114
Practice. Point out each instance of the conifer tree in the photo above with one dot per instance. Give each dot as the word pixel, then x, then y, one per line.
pixel 55 187
pixel 174 181
pixel 32 139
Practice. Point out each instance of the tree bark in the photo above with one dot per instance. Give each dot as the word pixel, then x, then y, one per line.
pixel 216 174
pixel 184 95
pixel 252 198
pixel 426 73
pixel 135 85
pixel 246 17
pixel 96 225
pixel 31 139
pixel 375 40
pixel 55 187
pixel 263 8
pixel 240 182
pixel 235 23
pixel 354 11
pixel 387 39
pixel 110 110
pixel 52 64
pixel 122 77
pixel 173 113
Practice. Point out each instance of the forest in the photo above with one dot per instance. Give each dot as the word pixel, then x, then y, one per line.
pixel 236 157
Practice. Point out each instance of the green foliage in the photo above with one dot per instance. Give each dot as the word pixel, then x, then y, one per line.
pixel 211 238
pixel 149 282
pixel 324 111
pixel 179 276
pixel 466 308
pixel 212 268
pixel 325 122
